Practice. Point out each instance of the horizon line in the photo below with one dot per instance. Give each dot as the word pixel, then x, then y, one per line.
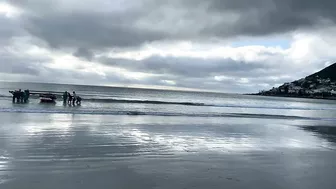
pixel 177 89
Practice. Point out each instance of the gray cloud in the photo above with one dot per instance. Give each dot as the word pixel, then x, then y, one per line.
pixel 75 24
pixel 14 64
pixel 17 67
pixel 84 53
pixel 89 28
pixel 94 31
pixel 9 28
pixel 264 17
pixel 190 67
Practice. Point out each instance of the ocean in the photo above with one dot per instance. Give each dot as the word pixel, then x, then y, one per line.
pixel 146 138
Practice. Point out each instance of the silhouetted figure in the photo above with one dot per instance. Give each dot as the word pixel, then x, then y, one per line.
pixel 65 97
pixel 69 98
pixel 26 95
pixel 78 100
pixel 19 96
pixel 74 97
pixel 15 95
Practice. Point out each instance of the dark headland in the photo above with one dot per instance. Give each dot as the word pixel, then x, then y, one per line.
pixel 321 85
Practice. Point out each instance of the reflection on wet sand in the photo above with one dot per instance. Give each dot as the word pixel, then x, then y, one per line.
pixel 326 132
pixel 80 151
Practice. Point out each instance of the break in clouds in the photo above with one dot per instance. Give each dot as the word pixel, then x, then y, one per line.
pixel 223 45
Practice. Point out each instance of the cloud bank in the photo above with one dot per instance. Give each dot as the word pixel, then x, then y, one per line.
pixel 220 45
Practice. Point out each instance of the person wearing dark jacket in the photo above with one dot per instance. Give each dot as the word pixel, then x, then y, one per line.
pixel 26 95
pixel 69 98
pixel 78 100
pixel 65 97
pixel 15 95
pixel 74 97
pixel 21 96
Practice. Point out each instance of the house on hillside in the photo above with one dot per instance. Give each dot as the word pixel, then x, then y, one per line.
pixel 318 90
pixel 333 92
pixel 294 89
pixel 310 92
pixel 274 90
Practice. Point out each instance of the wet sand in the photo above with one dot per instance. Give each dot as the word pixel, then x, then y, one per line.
pixel 52 151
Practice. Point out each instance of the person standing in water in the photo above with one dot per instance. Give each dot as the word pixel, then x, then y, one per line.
pixel 21 96
pixel 16 96
pixel 65 97
pixel 74 97
pixel 26 95
pixel 69 98
pixel 78 100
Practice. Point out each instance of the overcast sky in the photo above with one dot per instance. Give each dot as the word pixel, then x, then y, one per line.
pixel 222 45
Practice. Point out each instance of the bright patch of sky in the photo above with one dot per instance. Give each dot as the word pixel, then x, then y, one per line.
pixel 8 10
pixel 284 43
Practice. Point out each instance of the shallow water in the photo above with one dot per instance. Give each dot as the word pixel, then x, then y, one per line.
pixel 257 143
pixel 127 101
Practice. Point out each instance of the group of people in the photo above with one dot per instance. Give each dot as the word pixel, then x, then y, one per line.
pixel 20 96
pixel 74 99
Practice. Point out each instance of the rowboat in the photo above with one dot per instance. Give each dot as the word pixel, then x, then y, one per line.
pixel 48 98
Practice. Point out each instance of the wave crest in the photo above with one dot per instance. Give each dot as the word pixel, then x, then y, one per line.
pixel 144 113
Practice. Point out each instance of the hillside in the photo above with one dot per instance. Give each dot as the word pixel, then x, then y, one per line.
pixel 328 72
pixel 321 84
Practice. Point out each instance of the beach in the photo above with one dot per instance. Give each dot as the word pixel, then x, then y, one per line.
pixel 265 143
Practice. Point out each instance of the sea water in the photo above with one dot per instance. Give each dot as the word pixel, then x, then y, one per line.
pixel 131 101
pixel 144 138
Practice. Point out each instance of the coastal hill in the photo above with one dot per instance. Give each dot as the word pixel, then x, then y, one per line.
pixel 321 84
pixel 327 73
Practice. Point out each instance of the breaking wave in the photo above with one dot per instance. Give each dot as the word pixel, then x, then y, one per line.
pixel 5 96
pixel 158 102
pixel 144 113
pixel 111 100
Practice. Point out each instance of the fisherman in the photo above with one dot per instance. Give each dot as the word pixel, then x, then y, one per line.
pixel 69 98
pixel 78 100
pixel 65 97
pixel 15 95
pixel 26 95
pixel 74 97
pixel 20 96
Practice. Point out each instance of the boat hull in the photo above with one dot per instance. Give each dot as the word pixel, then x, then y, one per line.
pixel 47 100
